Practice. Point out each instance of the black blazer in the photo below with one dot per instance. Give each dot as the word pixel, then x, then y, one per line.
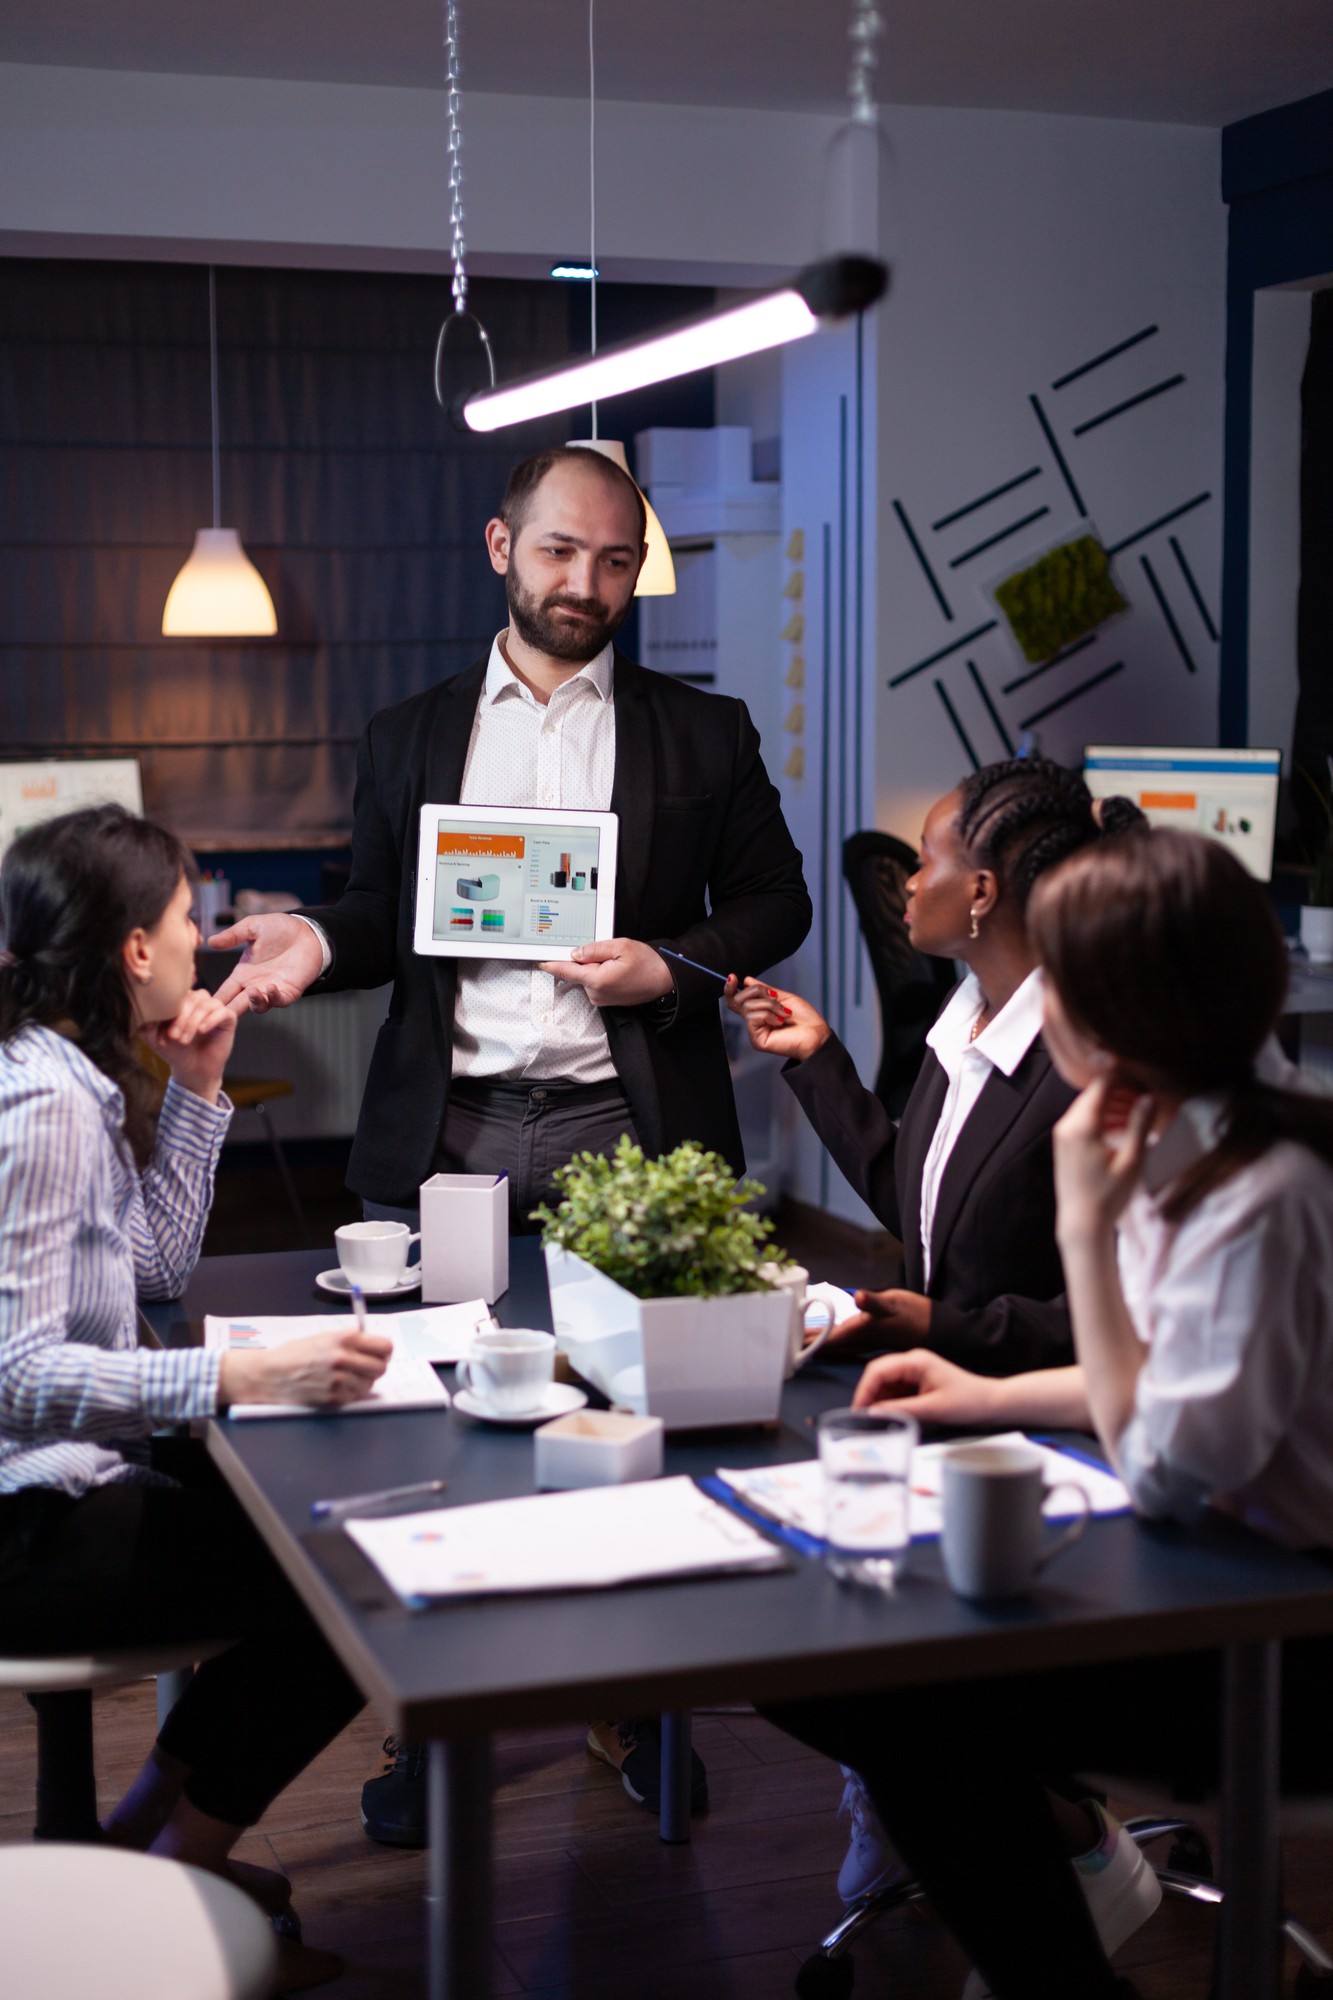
pixel 995 1274
pixel 698 819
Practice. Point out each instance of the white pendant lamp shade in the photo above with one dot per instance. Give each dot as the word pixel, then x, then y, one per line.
pixel 219 594
pixel 657 578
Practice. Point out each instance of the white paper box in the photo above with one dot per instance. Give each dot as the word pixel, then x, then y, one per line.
pixel 696 1363
pixel 464 1238
pixel 597 1448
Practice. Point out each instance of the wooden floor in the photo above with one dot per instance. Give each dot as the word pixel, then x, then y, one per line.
pixel 590 1904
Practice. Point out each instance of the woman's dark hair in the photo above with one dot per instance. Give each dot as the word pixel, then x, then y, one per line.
pixel 71 891
pixel 1022 817
pixel 1164 950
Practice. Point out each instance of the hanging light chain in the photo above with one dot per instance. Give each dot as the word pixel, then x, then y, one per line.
pixel 451 70
pixel 863 32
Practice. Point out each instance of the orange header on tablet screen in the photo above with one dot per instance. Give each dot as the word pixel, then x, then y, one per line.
pixel 511 844
pixel 1168 801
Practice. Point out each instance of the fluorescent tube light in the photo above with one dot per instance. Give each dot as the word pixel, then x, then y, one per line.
pixel 585 271
pixel 832 290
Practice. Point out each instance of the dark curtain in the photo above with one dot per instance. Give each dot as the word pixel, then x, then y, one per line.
pixel 1314 619
pixel 353 494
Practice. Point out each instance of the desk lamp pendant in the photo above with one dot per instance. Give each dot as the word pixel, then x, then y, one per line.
pixel 218 594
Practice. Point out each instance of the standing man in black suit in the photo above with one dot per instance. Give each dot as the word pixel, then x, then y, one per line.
pixel 506 1066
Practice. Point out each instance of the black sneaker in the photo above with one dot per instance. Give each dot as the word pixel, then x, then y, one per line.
pixel 393 1806
pixel 635 1750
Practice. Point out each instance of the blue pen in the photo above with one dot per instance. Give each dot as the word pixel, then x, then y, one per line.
pixel 359 1307
pixel 721 977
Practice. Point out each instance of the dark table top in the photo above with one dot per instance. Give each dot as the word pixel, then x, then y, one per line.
pixel 1129 1588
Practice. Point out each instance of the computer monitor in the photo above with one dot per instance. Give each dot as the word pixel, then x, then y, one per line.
pixel 1230 795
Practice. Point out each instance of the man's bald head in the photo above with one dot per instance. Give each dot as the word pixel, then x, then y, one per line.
pixel 528 475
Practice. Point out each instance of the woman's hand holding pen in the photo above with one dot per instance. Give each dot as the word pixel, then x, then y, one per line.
pixel 323 1370
pixel 778 1023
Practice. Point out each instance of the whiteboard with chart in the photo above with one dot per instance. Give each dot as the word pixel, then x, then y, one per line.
pixel 30 792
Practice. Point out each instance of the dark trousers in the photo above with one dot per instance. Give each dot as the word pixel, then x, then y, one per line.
pixel 956 1774
pixel 526 1131
pixel 134 1565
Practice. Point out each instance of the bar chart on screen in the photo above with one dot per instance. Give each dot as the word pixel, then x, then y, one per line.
pixel 561 920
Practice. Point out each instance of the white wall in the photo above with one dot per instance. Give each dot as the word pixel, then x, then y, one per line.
pixel 1281 342
pixel 1028 245
pixel 269 171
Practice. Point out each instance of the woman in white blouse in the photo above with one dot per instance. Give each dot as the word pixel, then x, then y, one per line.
pixel 104 1194
pixel 1195 1221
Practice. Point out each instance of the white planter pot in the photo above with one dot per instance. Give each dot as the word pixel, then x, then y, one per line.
pixel 695 1363
pixel 1317 934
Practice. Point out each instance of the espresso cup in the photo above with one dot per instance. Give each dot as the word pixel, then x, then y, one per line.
pixel 811 1320
pixel 373 1254
pixel 508 1369
pixel 994 1540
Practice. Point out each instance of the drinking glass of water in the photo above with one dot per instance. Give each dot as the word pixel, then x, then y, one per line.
pixel 867 1461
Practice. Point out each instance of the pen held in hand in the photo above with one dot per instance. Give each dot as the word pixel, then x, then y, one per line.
pixel 693 963
pixel 359 1308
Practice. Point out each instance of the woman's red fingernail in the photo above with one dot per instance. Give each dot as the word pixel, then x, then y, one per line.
pixel 786 1010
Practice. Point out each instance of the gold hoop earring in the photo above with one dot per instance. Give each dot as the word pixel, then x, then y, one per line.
pixel 975 931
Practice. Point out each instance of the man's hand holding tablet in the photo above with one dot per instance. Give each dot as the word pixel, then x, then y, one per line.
pixel 616 972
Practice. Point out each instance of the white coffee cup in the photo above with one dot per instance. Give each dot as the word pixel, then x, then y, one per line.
pixel 508 1369
pixel 811 1320
pixel 373 1254
pixel 994 1541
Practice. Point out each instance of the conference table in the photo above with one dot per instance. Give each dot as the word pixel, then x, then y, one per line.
pixel 453 1675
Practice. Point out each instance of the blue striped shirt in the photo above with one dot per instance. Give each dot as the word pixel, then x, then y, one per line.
pixel 83 1234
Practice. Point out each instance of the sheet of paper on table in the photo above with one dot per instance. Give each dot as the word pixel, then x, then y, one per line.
pixel 590 1539
pixel 408 1383
pixel 793 1495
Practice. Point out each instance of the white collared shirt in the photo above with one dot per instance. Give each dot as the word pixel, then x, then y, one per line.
pixel 1235 1400
pixel 511 1021
pixel 1001 1045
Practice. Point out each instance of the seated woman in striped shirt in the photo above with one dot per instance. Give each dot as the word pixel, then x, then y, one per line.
pixel 103 1198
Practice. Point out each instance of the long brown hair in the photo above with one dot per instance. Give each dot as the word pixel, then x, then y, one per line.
pixel 1165 951
pixel 71 891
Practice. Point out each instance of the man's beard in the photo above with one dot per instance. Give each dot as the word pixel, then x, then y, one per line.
pixel 538 625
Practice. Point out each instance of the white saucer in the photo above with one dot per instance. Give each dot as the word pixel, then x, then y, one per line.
pixel 336 1282
pixel 561 1400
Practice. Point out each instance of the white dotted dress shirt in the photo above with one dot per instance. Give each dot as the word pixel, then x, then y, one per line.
pixel 1001 1045
pixel 512 1022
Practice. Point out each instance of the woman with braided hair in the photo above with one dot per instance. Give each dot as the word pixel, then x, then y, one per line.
pixel 965 1180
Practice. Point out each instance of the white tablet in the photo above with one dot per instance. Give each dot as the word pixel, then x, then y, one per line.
pixel 513 881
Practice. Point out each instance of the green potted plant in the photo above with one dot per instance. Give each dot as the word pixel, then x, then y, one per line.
pixel 657 1289
pixel 1317 914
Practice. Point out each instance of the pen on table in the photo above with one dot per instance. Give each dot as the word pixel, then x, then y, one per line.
pixel 321 1510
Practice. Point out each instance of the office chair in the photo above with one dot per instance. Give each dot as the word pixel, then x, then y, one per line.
pixel 829 1974
pixel 912 988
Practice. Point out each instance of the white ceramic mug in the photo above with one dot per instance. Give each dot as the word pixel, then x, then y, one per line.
pixel 508 1369
pixel 374 1254
pixel 994 1541
pixel 811 1320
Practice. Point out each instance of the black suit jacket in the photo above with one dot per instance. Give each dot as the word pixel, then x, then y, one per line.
pixel 995 1276
pixel 706 864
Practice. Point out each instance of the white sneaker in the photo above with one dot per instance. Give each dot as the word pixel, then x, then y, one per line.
pixel 871 1862
pixel 1118 1885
